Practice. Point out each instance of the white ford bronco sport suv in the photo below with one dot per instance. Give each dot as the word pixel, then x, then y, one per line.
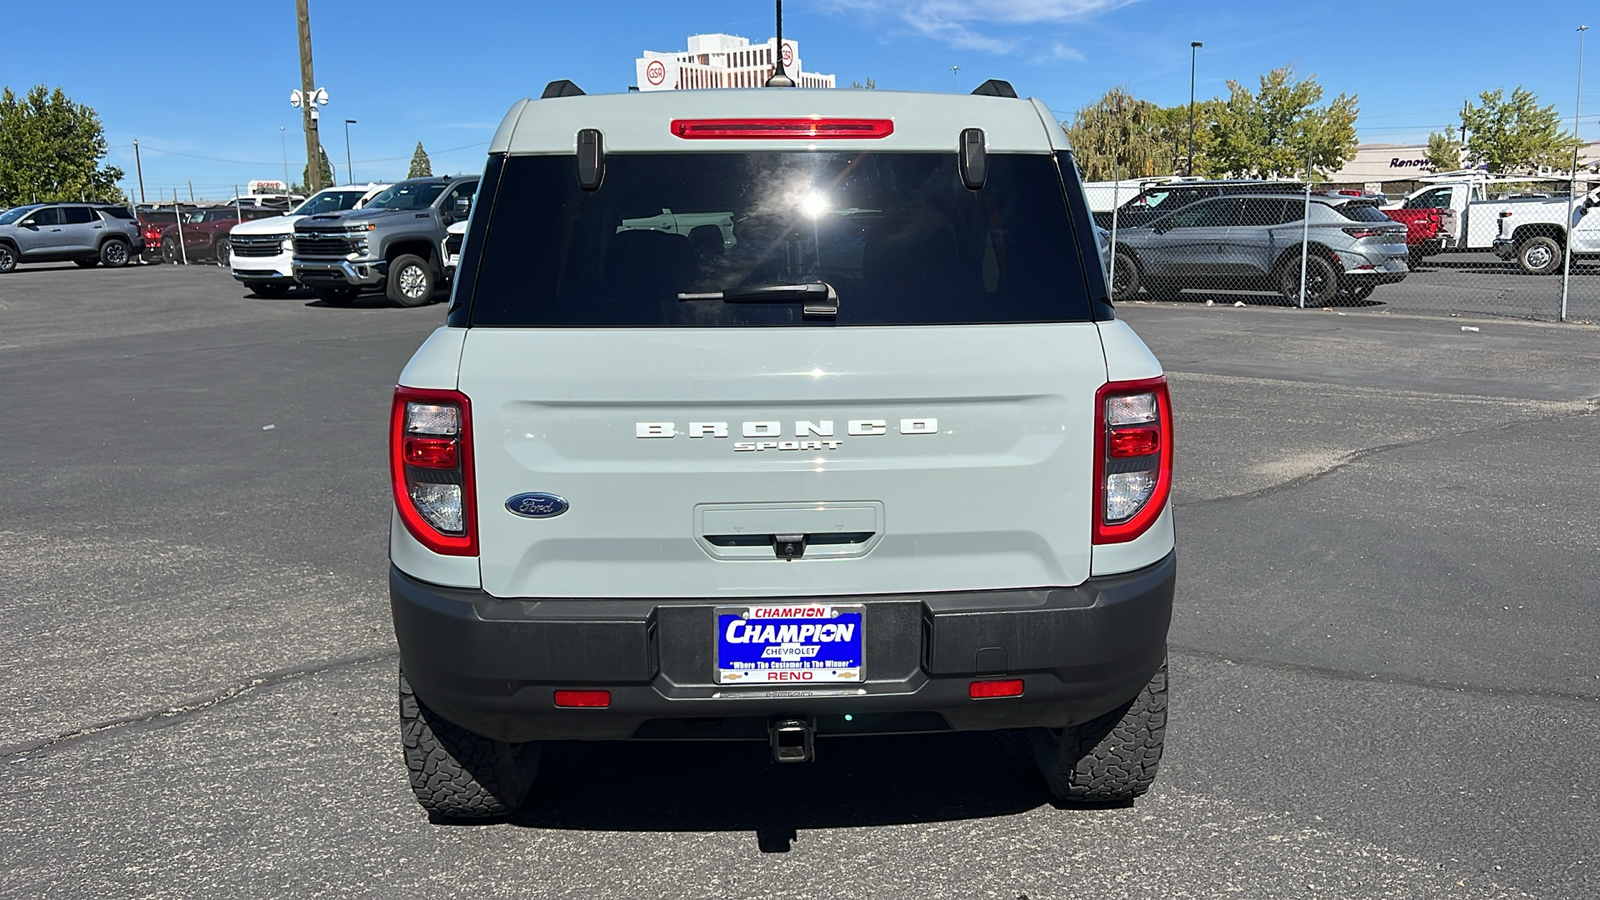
pixel 876 459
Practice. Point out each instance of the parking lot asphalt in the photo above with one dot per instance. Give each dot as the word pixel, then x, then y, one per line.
pixel 1384 681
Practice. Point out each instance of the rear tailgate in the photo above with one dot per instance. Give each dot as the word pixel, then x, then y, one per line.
pixel 912 458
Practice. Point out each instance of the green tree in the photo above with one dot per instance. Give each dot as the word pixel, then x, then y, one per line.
pixel 1119 134
pixel 1268 134
pixel 327 170
pixel 1444 151
pixel 51 148
pixel 421 166
pixel 869 86
pixel 1516 135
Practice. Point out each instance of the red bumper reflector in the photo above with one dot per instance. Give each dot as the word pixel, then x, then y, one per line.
pixel 584 699
pixel 430 453
pixel 1134 442
pixel 984 690
pixel 804 129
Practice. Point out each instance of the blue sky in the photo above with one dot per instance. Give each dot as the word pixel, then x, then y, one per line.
pixel 204 86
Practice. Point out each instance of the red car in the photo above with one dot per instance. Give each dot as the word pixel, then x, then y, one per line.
pixel 204 233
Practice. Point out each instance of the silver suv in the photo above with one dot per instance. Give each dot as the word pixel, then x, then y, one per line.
pixel 1253 242
pixel 850 442
pixel 89 234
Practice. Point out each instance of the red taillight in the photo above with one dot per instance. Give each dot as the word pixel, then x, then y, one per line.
pixel 430 453
pixel 985 690
pixel 805 128
pixel 1358 232
pixel 583 699
pixel 1125 442
pixel 430 469
pixel 1133 458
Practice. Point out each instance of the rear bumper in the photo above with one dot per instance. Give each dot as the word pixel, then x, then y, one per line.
pixel 344 273
pixel 493 665
pixel 1505 248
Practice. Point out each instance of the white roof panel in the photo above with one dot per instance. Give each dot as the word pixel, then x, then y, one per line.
pixel 639 122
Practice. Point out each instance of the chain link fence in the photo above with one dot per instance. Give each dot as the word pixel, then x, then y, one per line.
pixel 1457 245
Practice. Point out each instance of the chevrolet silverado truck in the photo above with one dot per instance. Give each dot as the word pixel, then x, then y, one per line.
pixel 263 250
pixel 392 244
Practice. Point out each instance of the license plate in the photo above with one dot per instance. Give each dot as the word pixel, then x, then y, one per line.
pixel 793 644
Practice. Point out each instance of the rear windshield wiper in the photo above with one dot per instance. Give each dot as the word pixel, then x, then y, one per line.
pixel 818 297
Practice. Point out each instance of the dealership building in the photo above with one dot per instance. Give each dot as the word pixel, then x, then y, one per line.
pixel 722 61
pixel 1398 168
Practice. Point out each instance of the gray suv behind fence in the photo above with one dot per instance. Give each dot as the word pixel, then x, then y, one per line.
pixel 88 234
pixel 1254 243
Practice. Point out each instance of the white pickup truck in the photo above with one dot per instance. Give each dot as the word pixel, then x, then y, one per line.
pixel 1529 228
pixel 263 250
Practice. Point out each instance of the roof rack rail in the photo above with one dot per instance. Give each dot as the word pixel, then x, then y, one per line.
pixel 561 88
pixel 994 87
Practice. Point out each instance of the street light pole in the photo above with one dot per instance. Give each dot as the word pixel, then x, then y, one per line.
pixel 139 166
pixel 1572 185
pixel 1194 47
pixel 349 173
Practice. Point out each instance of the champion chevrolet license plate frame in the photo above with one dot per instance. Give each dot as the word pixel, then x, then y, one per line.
pixel 795 668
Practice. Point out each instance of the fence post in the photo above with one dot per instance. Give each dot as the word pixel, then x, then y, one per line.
pixel 1305 231
pixel 183 247
pixel 1116 201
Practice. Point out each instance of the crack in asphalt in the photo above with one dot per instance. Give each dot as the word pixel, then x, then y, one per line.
pixel 1389 679
pixel 1356 456
pixel 193 705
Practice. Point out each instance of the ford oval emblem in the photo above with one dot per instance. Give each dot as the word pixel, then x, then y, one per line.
pixel 537 505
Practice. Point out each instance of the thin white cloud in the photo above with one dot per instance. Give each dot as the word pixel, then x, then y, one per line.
pixel 970 24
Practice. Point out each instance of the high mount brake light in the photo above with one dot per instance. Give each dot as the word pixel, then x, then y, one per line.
pixel 1133 458
pixel 430 469
pixel 805 129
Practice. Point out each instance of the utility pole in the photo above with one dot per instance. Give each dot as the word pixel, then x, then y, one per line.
pixel 140 167
pixel 1466 107
pixel 309 109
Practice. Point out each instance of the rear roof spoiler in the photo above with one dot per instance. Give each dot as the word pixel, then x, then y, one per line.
pixel 994 87
pixel 561 88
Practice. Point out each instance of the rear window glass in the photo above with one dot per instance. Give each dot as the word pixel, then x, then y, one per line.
pixel 897 236
pixel 116 212
pixel 1362 212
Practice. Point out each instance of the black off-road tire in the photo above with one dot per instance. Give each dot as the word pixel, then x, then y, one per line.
pixel 1322 281
pixel 411 280
pixel 334 296
pixel 1539 255
pixel 269 291
pixel 1111 759
pixel 87 263
pixel 1126 277
pixel 115 254
pixel 8 258
pixel 457 774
